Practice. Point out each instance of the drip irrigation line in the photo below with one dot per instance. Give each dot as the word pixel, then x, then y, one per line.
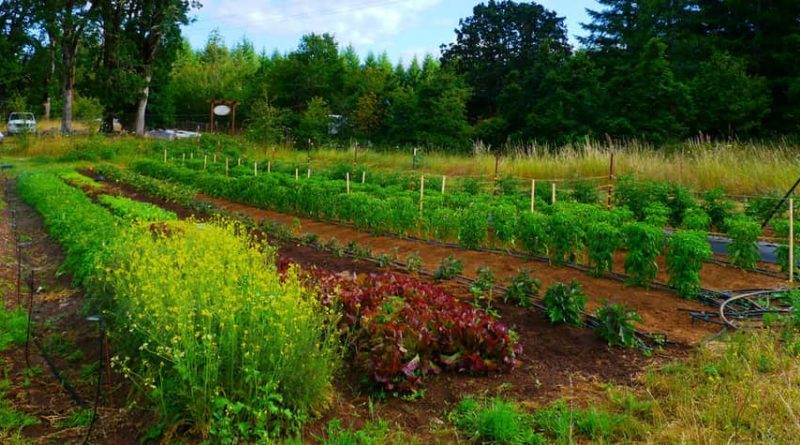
pixel 101 337
pixel 30 322
pixel 57 374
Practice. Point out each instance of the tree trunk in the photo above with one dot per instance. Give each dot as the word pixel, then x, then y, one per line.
pixel 50 74
pixel 46 106
pixel 68 57
pixel 142 108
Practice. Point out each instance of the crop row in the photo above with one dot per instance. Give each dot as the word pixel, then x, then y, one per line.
pixel 210 332
pixel 566 231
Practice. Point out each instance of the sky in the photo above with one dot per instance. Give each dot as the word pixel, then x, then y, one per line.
pixel 402 28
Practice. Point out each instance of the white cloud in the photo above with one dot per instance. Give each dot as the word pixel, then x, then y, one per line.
pixel 364 23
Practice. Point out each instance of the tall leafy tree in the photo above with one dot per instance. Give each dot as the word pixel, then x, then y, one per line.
pixel 501 38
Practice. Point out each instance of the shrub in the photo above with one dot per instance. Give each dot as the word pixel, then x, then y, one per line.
pixel 566 235
pixel 602 240
pixel 565 303
pixel 616 325
pixel 696 219
pixel 685 256
pixel 473 226
pixel 644 243
pixel 656 214
pixel 718 206
pixel 522 289
pixel 449 268
pixel 744 233
pixel 532 233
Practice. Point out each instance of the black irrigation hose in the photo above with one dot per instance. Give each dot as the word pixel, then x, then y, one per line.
pixel 30 321
pixel 102 331
pixel 63 380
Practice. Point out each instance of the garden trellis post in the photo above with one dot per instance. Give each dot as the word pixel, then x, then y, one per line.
pixel 226 166
pixel 205 162
pixel 348 183
pixel 792 266
pixel 363 176
pixel 255 168
pixel 421 194
pixel 165 155
pixel 533 195
pixel 553 198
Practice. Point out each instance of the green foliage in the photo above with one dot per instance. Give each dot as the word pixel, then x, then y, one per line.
pixel 371 433
pixel 602 240
pixel 494 421
pixel 532 233
pixel 656 214
pixel 134 210
pixel 413 262
pixel 616 325
pixel 565 303
pixel 566 236
pixel 13 327
pixel 522 289
pixel 697 219
pixel 449 268
pixel 314 122
pixel 718 206
pixel 483 286
pixel 744 233
pixel 473 226
pixel 644 243
pixel 685 256
pixel 564 424
pixel 782 231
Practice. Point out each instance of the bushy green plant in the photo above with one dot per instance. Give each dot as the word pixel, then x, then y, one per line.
pixel 473 226
pixel 696 219
pixel 744 233
pixel 13 327
pixel 495 421
pixel 685 256
pixel 616 325
pixel 585 192
pixel 532 233
pixel 522 289
pixel 656 214
pixel 644 243
pixel 566 235
pixel 781 227
pixel 449 268
pixel 134 210
pixel 565 303
pixel 564 424
pixel 718 206
pixel 602 240
pixel 760 207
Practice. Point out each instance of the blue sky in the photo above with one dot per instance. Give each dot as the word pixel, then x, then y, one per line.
pixel 402 28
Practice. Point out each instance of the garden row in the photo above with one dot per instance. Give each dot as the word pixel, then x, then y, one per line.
pixel 628 191
pixel 565 232
pixel 213 335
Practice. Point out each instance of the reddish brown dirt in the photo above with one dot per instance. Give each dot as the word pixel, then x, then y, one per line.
pixel 661 310
pixel 57 313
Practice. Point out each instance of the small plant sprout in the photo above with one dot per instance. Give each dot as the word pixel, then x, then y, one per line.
pixel 449 268
pixel 414 262
pixel 616 325
pixel 565 303
pixel 522 289
pixel 482 288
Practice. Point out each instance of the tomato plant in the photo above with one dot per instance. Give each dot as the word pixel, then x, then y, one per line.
pixel 532 233
pixel 718 206
pixel 644 243
pixel 565 303
pixel 656 214
pixel 522 289
pixel 685 256
pixel 566 236
pixel 696 219
pixel 449 268
pixel 602 240
pixel 744 233
pixel 504 222
pixel 473 226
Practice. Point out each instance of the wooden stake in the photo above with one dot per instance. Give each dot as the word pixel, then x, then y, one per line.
pixel 348 183
pixel 554 193
pixel 269 167
pixel 165 155
pixel 533 195
pixel 791 241
pixel 183 159
pixel 308 173
pixel 215 158
pixel 296 174
pixel 255 168
pixel 444 181
pixel 363 177
pixel 239 164
pixel 226 166
pixel 205 162
pixel 191 156
pixel 421 194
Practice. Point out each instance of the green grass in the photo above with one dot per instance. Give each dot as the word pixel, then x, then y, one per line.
pixel 495 421
pixel 134 210
pixel 11 419
pixel 13 327
pixel 79 180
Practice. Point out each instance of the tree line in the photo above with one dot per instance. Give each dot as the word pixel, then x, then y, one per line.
pixel 653 70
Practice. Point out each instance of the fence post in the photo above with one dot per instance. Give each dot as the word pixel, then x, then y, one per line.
pixel 348 183
pixel 255 168
pixel 205 162
pixel 444 181
pixel 791 241
pixel 183 159
pixel 533 195
pixel 226 166
pixel 363 176
pixel 239 163
pixel 269 166
pixel 165 155
pixel 554 193
pixel 296 174
pixel 308 174
pixel 421 194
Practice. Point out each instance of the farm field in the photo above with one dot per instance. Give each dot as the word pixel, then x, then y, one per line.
pixel 193 302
